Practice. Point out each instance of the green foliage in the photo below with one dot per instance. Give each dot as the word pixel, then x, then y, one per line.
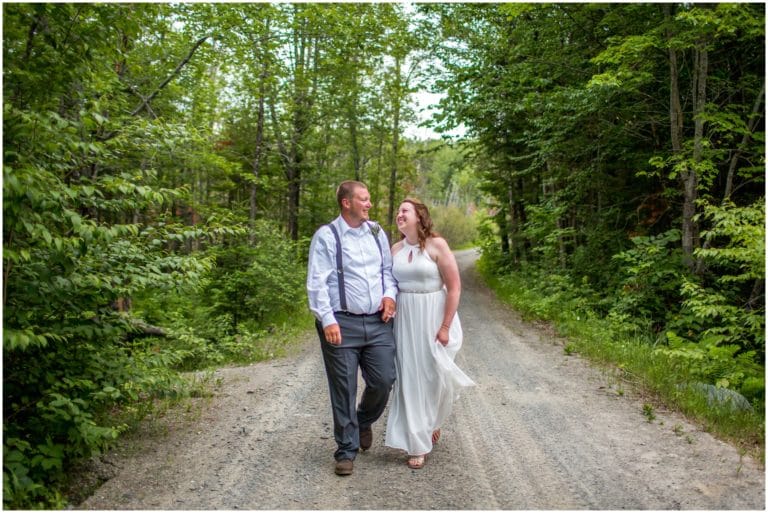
pixel 85 227
pixel 446 175
pixel 735 243
pixel 63 359
pixel 711 361
pixel 542 225
pixel 23 465
pixel 714 313
pixel 650 280
pixel 252 284
pixel 249 293
pixel 649 412
pixel 723 343
pixel 569 106
pixel 539 293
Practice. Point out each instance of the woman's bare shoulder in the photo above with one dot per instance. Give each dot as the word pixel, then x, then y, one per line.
pixel 437 246
pixel 397 247
pixel 438 243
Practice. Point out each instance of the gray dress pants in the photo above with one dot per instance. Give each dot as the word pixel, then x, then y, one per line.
pixel 369 343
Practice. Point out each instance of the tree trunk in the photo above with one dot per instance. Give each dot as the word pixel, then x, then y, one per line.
pixel 395 146
pixel 257 153
pixel 377 175
pixel 355 146
pixel 757 296
pixel 352 118
pixel 501 221
pixel 687 176
pixel 512 225
pixel 281 148
pixel 520 218
pixel 691 177
pixel 291 155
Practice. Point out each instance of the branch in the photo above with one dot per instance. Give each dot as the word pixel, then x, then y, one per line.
pixel 743 145
pixel 146 330
pixel 145 102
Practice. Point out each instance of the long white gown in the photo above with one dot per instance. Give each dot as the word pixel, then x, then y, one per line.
pixel 428 380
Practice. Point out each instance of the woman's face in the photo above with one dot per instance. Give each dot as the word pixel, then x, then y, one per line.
pixel 406 219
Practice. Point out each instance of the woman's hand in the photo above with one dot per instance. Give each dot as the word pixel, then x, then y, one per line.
pixel 442 335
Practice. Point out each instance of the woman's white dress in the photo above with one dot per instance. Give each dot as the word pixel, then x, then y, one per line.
pixel 428 380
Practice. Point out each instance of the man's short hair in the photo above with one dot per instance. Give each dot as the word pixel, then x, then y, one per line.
pixel 346 190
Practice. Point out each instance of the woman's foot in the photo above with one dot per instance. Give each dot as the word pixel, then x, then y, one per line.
pixel 435 436
pixel 416 462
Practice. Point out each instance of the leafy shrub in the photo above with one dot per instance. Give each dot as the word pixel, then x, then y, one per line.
pixel 650 279
pixel 712 361
pixel 246 294
pixel 252 285
pixel 65 361
pixel 732 304
pixel 547 237
pixel 719 340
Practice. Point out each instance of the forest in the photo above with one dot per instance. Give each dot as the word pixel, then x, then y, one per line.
pixel 165 165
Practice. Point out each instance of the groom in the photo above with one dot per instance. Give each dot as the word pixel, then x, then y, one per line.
pixel 352 296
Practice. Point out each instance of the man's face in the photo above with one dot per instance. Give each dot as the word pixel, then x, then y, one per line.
pixel 359 205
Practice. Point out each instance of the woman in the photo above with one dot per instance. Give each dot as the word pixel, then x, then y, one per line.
pixel 428 335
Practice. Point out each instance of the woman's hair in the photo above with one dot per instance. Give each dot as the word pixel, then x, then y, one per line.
pixel 424 230
pixel 346 190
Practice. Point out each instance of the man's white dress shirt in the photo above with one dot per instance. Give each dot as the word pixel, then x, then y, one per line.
pixel 362 263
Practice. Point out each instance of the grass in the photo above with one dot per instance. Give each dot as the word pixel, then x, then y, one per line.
pixel 649 412
pixel 279 340
pixel 632 359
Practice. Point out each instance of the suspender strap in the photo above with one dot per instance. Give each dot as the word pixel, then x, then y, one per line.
pixel 340 267
pixel 340 270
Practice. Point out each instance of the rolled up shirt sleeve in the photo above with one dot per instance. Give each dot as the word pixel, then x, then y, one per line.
pixel 390 283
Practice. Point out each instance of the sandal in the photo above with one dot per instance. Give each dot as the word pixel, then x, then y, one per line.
pixel 416 462
pixel 435 436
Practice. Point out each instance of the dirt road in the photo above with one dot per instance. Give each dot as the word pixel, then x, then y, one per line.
pixel 541 430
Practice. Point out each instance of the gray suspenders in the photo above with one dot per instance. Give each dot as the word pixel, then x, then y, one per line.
pixel 340 267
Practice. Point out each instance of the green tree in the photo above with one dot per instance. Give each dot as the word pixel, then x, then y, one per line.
pixel 616 145
pixel 87 225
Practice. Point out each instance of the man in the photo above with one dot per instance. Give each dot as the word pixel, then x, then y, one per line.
pixel 352 295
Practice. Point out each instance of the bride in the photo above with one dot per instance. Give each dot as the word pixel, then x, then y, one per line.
pixel 428 335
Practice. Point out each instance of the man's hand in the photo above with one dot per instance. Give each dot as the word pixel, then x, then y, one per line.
pixel 387 309
pixel 332 334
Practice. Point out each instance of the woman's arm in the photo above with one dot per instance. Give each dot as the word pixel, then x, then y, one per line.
pixel 449 271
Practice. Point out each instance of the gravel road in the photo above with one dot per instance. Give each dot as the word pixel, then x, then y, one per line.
pixel 541 430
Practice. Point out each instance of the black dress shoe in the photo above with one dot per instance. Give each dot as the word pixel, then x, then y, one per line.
pixel 366 438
